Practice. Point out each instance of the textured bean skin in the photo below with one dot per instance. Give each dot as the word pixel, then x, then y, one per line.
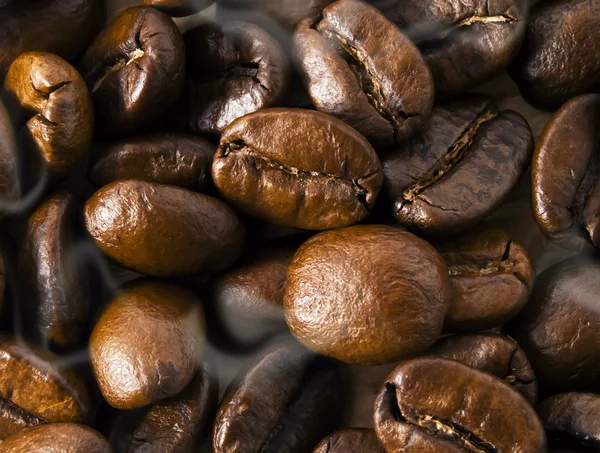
pixel 298 169
pixel 357 66
pixel 433 405
pixel 286 12
pixel 564 174
pixel 179 7
pixel 162 230
pixel 351 441
pixel 10 186
pixel 343 283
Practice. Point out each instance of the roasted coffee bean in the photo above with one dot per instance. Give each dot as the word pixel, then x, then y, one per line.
pixel 433 405
pixel 559 329
pixel 359 67
pixel 233 70
pixel 63 27
pixel 298 169
pixel 135 70
pixel 367 294
pixel 559 57
pixel 163 230
pixel 460 169
pixel 37 388
pixel 53 104
pixel 464 43
pixel 351 441
pixel 492 276
pixel 10 186
pixel 55 306
pixel 179 7
pixel 147 344
pixel 285 403
pixel 56 438
pixel 496 354
pixel 173 159
pixel 565 172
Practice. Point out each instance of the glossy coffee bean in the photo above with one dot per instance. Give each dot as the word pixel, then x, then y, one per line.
pixel 565 172
pixel 359 67
pixel 492 276
pixel 559 329
pixel 559 57
pixel 63 27
pixel 493 353
pixel 460 169
pixel 135 70
pixel 37 388
pixel 174 159
pixel 146 345
pixel 351 441
pixel 233 70
pixel 367 294
pixel 285 403
pixel 179 7
pixel 163 230
pixel 55 306
pixel 465 44
pixel 10 186
pixel 433 405
pixel 53 105
pixel 298 169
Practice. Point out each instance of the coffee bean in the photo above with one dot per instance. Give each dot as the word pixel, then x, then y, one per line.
pixel 432 405
pixel 174 159
pixel 53 107
pixel 10 186
pixel 179 7
pixel 285 403
pixel 493 353
pixel 492 276
pixel 359 67
pixel 460 169
pixel 298 169
pixel 57 438
pixel 559 329
pixel 465 44
pixel 163 230
pixel 147 344
pixel 135 70
pixel 351 441
pixel 37 388
pixel 367 294
pixel 565 170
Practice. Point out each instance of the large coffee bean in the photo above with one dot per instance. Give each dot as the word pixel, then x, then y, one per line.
pixel 367 294
pixel 359 67
pixel 351 441
pixel 285 403
pixel 147 344
pixel 460 169
pixel 163 230
pixel 297 168
pixel 179 7
pixel 10 186
pixel 565 173
pixel 433 405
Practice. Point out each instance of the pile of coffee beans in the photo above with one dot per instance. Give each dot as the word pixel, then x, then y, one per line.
pixel 297 226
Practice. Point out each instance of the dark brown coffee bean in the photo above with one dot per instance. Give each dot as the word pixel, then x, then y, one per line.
pixel 492 276
pixel 298 169
pixel 10 186
pixel 63 27
pixel 285 403
pixel 37 388
pixel 147 344
pixel 163 230
pixel 565 173
pixel 493 353
pixel 460 169
pixel 179 7
pixel 465 44
pixel 173 159
pixel 359 67
pixel 135 70
pixel 53 104
pixel 57 438
pixel 559 57
pixel 433 405
pixel 351 441
pixel 233 70
pixel 367 294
